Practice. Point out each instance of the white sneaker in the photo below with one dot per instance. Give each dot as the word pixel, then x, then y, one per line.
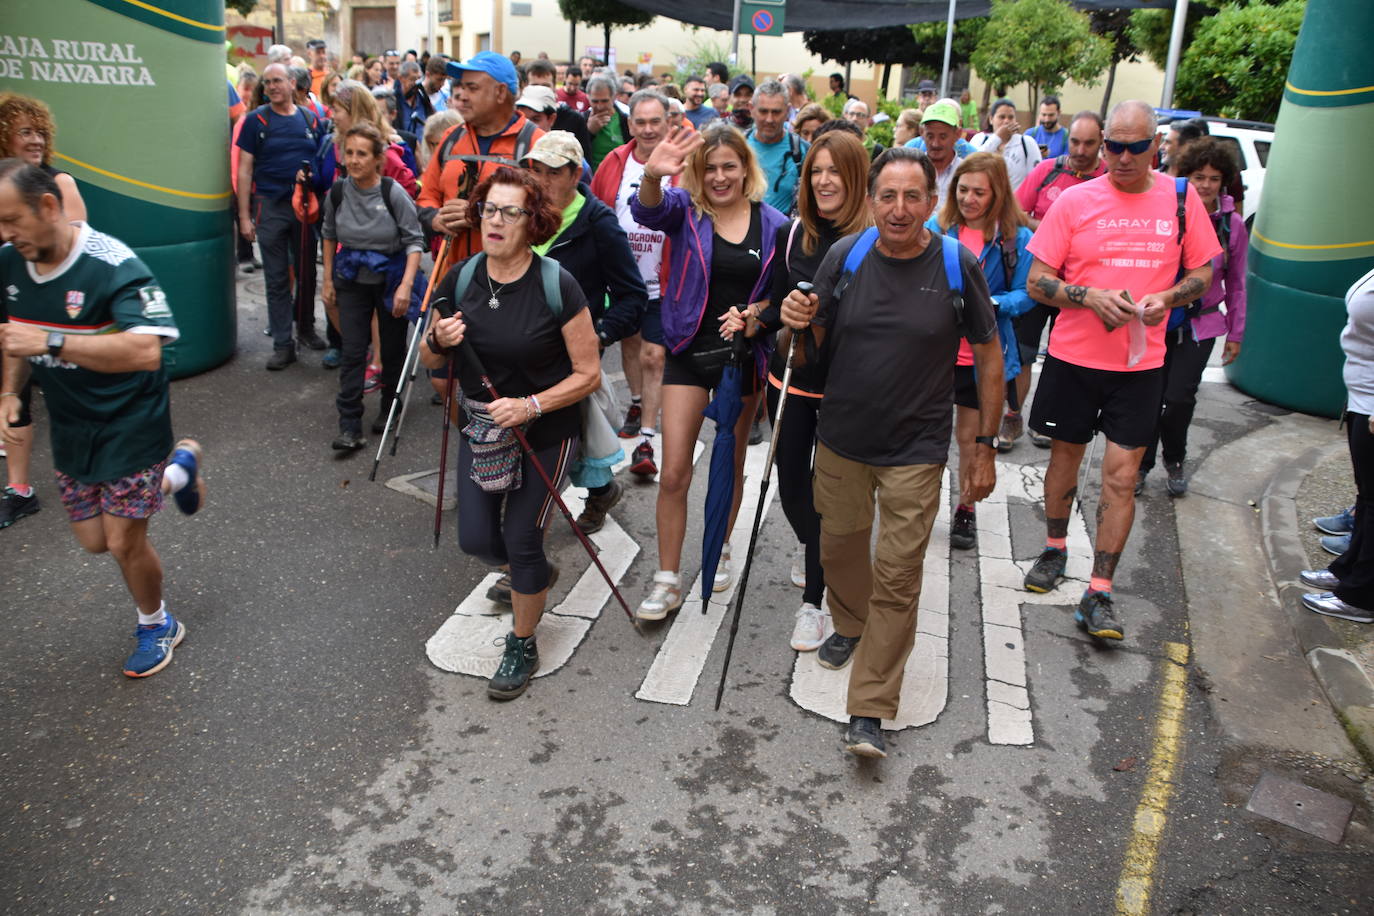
pixel 724 574
pixel 813 625
pixel 665 597
pixel 799 567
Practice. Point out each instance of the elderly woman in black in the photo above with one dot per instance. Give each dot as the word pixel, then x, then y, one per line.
pixel 541 356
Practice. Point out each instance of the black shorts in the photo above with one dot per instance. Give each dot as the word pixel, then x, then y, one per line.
pixel 1029 326
pixel 1072 403
pixel 965 387
pixel 681 369
pixel 25 400
pixel 651 326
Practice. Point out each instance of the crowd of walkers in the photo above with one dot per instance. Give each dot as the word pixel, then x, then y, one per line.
pixel 718 228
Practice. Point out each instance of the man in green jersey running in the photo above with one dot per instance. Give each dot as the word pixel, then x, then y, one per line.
pixel 87 318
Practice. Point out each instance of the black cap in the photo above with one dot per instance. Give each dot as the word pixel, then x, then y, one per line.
pixel 740 80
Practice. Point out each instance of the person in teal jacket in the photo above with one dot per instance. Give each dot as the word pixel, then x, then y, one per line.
pixel 982 213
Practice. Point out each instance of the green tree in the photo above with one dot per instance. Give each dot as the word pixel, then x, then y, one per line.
pixel 1149 30
pixel 1238 60
pixel 886 46
pixel 1115 27
pixel 608 14
pixel 242 7
pixel 1042 43
pixel 930 45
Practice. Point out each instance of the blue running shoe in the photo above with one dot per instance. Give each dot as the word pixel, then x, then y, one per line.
pixel 155 645
pixel 1336 544
pixel 187 455
pixel 1341 523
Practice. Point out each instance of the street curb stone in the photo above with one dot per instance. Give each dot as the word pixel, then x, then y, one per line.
pixel 1340 675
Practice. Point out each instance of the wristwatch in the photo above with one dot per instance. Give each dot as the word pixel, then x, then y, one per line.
pixel 990 441
pixel 56 340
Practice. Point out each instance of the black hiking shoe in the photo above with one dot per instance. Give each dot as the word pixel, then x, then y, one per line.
pixel 1097 617
pixel 1047 571
pixel 865 737
pixel 963 534
pixel 518 664
pixel 348 441
pixel 281 358
pixel 13 507
pixel 836 651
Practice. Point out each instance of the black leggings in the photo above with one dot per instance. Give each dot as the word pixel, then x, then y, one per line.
pixel 357 303
pixel 501 528
pixel 1355 567
pixel 1184 360
pixel 796 445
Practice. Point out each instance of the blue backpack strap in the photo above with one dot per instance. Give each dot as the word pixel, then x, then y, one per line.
pixel 862 246
pixel 553 294
pixel 954 275
pixel 1179 314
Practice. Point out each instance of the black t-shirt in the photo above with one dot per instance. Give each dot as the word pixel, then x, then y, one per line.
pixel 788 271
pixel 734 273
pixel 891 343
pixel 520 343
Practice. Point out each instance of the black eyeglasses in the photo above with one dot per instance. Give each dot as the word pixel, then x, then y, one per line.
pixel 1136 147
pixel 509 214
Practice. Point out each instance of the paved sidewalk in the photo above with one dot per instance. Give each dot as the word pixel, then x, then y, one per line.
pixel 1272 671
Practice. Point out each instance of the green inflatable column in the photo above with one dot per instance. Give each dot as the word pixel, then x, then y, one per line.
pixel 1314 233
pixel 139 93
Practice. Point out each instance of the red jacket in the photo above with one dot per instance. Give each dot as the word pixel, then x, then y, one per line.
pixel 606 181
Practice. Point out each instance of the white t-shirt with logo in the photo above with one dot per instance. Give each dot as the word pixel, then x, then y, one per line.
pixel 645 244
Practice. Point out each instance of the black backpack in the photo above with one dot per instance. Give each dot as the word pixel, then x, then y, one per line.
pixel 312 125
pixel 336 198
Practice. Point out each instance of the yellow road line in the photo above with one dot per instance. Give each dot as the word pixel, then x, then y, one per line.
pixel 1142 854
pixel 142 184
pixel 1311 247
pixel 1354 91
pixel 161 12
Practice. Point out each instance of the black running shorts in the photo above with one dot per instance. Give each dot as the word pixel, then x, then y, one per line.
pixel 965 387
pixel 1072 403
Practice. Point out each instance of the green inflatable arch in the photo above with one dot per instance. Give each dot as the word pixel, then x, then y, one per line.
pixel 139 93
pixel 1314 233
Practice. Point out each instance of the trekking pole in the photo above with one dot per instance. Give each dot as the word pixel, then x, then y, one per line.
pixel 475 363
pixel 408 368
pixel 806 289
pixel 443 448
pixel 305 250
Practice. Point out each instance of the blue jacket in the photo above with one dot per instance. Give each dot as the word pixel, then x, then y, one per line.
pixel 393 267
pixel 687 281
pixel 1011 303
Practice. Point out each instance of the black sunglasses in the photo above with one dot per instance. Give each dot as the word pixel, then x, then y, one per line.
pixel 1136 147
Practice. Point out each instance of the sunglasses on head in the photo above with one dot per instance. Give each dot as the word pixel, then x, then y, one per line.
pixel 1136 147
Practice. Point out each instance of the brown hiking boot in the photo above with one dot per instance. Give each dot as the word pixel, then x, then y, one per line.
pixel 594 510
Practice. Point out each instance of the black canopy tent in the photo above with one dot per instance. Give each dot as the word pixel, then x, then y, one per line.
pixel 853 14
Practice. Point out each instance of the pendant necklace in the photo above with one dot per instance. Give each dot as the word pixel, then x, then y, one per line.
pixel 493 302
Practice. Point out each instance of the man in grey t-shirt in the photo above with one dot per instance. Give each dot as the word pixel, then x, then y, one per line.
pixel 889 343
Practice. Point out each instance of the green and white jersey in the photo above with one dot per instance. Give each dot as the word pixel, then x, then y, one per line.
pixel 105 425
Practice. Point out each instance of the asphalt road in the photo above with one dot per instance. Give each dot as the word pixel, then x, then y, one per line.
pixel 302 754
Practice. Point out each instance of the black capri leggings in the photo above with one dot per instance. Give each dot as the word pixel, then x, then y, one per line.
pixel 796 444
pixel 515 535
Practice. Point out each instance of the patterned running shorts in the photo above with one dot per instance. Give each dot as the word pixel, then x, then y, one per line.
pixel 136 496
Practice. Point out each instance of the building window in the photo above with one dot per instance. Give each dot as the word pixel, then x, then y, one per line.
pixel 522 9
pixel 484 41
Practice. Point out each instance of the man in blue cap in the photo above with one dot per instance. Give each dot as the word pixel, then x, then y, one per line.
pixel 493 134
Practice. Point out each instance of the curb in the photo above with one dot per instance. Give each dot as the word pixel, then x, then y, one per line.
pixel 1342 679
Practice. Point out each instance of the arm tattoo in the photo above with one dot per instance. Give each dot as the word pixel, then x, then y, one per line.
pixel 1076 294
pixel 1104 564
pixel 1057 527
pixel 1049 286
pixel 1187 291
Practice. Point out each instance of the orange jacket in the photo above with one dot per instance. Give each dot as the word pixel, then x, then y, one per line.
pixel 457 167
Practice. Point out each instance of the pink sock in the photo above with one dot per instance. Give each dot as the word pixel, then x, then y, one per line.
pixel 1057 543
pixel 1096 584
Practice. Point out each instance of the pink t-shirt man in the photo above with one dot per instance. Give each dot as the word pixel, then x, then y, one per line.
pixel 1096 235
pixel 1036 200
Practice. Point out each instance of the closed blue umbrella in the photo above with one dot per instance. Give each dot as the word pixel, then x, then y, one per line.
pixel 720 480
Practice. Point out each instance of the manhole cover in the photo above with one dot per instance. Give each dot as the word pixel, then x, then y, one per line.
pixel 424 486
pixel 1300 807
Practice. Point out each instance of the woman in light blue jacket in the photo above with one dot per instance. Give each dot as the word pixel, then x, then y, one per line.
pixel 982 213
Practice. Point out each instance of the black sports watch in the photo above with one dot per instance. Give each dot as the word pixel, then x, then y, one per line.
pixel 56 340
pixel 990 441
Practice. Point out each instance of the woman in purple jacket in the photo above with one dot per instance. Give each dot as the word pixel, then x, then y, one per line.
pixel 720 244
pixel 1209 166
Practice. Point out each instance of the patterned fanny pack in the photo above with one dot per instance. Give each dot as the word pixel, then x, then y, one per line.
pixel 495 450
